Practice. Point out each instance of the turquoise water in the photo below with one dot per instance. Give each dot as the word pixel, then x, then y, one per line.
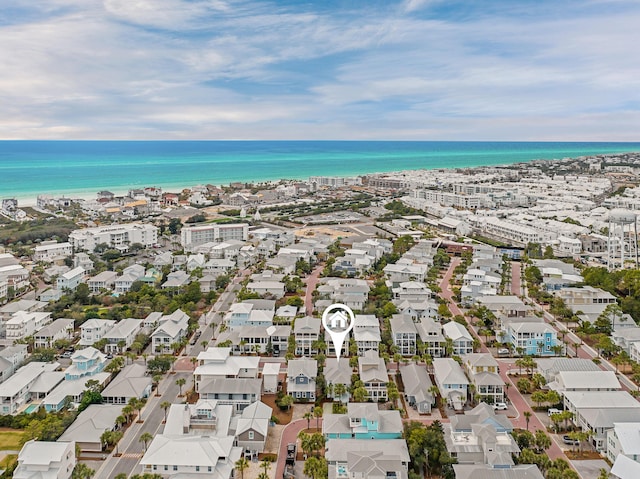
pixel 29 168
pixel 32 408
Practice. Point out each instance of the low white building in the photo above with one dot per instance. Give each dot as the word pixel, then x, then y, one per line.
pixel 23 324
pixel 122 335
pixel 70 280
pixel 61 328
pixel 92 330
pixel 51 251
pixel 45 459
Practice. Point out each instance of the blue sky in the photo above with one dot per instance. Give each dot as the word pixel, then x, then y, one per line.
pixel 326 69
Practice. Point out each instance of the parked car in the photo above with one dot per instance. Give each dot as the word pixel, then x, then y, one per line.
pixel 570 442
pixel 503 352
pixel 553 411
pixel 500 406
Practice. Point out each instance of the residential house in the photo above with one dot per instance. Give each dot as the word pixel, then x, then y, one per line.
pixel 192 456
pixel 451 381
pixel 363 421
pixel 550 367
pixel 104 281
pixel 270 378
pixel 218 363
pixel 122 335
pixel 403 272
pixel 334 374
pixel 597 411
pixel 510 306
pixel 483 372
pixel 271 289
pixel 71 391
pixel 85 363
pixel 87 429
pixel 23 324
pixel 92 330
pixel 50 251
pixel 256 312
pixel 70 280
pixel 301 379
pixel 373 373
pixel 623 439
pixel 11 358
pixel 131 382
pixel 364 458
pixel 430 333
pixel 625 468
pixel 348 291
pixel 177 281
pixel 61 328
pixel 481 437
pixel 460 336
pixel 477 283
pixel 306 332
pixel 404 334
pixel 171 329
pixel 532 338
pixel 251 427
pixel 412 291
pixel 46 459
pixel 366 333
pixel 256 339
pixel 235 391
pixel 418 391
pixel 585 381
pixel 15 392
pixel 130 275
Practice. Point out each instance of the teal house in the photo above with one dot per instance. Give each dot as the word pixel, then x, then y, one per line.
pixel 363 421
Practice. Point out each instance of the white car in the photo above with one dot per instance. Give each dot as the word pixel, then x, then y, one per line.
pixel 500 406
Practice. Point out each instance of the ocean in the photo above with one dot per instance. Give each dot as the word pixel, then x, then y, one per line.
pixel 81 168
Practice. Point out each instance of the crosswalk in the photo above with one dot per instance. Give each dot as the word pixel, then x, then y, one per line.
pixel 132 455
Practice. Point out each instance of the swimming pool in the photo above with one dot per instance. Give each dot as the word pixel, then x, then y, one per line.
pixel 32 408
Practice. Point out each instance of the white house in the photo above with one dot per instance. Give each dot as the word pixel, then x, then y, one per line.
pixel 218 363
pixel 451 381
pixel 23 324
pixel 122 335
pixel 61 328
pixel 70 280
pixel 119 236
pixel 52 251
pixel 373 373
pixel 16 391
pixel 624 439
pixel 45 459
pixel 404 334
pixel 301 378
pixel 171 329
pixel 461 337
pixel 92 330
pixel 104 281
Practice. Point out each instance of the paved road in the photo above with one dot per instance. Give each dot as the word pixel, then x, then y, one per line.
pixel 152 415
pixel 515 398
pixel 289 435
pixel 516 281
pixel 311 281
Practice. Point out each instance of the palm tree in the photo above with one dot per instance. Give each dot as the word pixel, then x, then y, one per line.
pixel 527 417
pixel 82 471
pixel 242 464
pixel 265 465
pixel 317 412
pixel 116 436
pixel 181 382
pixel 127 411
pixel 165 405
pixel 308 415
pixel 339 390
pixel 145 437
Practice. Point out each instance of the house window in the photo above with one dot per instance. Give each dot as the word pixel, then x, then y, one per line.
pixel 166 468
pixel 175 468
pixel 251 435
pixel 208 468
pixel 197 468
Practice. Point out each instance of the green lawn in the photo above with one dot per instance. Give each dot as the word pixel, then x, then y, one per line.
pixel 10 440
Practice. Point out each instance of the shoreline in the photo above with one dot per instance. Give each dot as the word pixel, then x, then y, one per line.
pixel 272 170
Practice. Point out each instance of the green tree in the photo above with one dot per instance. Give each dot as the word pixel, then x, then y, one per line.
pixel 165 405
pixel 241 465
pixel 316 468
pixel 317 413
pixel 181 382
pixel 527 417
pixel 82 471
pixel 145 438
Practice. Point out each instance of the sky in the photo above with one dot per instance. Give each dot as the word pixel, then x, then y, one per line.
pixel 530 70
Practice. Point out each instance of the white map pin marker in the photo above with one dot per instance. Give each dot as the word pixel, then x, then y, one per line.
pixel 338 320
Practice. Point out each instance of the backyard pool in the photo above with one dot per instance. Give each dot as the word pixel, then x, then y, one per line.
pixel 32 408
